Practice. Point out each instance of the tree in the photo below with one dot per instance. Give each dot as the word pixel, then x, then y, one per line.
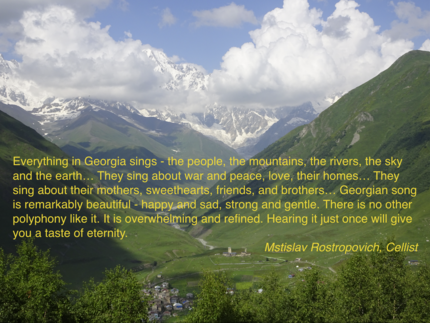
pixel 116 299
pixel 392 278
pixel 274 303
pixel 213 304
pixel 30 289
pixel 371 288
pixel 418 296
pixel 311 297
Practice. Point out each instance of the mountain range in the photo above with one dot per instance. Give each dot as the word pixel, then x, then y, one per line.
pixel 386 118
pixel 238 127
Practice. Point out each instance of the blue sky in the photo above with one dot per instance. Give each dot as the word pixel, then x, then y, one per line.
pixel 203 45
pixel 255 53
pixel 207 44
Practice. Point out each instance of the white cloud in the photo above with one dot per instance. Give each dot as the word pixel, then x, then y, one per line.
pixel 290 61
pixel 67 56
pixel 8 33
pixel 413 21
pixel 11 12
pixel 227 16
pixel 426 45
pixel 176 59
pixel 167 18
pixel 295 56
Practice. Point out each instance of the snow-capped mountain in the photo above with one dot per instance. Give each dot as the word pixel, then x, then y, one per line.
pixel 237 127
pixel 23 93
pixel 12 88
pixel 297 117
pixel 183 76
pixel 55 109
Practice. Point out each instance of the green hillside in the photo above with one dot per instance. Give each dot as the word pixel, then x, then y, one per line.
pixel 101 134
pixel 388 116
pixel 78 259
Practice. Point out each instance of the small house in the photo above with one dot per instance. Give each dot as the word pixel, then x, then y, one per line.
pixel 177 306
pixel 260 290
pixel 190 295
pixel 291 276
pixel 167 313
pixel 165 285
pixel 414 262
pixel 230 291
pixel 298 259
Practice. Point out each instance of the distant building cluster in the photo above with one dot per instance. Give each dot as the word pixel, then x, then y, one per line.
pixel 229 253
pixel 164 302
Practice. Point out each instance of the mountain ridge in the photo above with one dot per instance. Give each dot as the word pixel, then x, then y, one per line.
pixel 237 127
pixel 79 258
pixel 386 117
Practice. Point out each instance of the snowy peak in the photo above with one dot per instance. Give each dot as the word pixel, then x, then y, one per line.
pixel 55 109
pixel 182 76
pixel 17 91
pixel 298 116
pixel 234 126
pixel 237 127
pixel 13 89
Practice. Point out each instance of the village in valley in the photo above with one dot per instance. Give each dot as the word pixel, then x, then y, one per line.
pixel 165 302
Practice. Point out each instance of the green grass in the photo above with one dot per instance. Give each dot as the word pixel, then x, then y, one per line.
pixel 391 113
pixel 79 259
pixel 394 110
pixel 100 137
